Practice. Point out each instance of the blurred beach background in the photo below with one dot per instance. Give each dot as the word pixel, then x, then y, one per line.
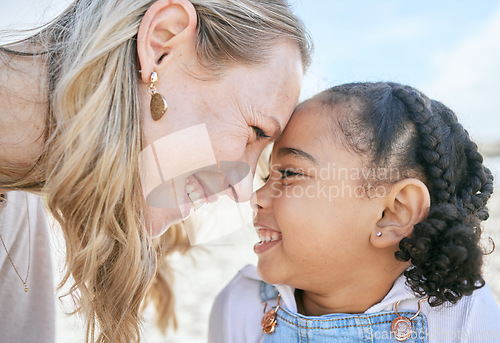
pixel 448 49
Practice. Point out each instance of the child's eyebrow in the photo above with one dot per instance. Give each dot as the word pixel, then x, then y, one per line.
pixel 285 151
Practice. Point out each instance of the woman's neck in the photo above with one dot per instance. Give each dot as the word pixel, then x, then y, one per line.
pixel 23 107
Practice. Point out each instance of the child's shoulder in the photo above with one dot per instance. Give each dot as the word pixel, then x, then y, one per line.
pixel 238 309
pixel 242 289
pixel 246 280
pixel 474 318
pixel 483 314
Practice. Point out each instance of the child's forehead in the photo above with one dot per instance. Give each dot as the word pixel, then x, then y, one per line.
pixel 317 126
pixel 307 119
pixel 308 129
pixel 329 106
pixel 316 118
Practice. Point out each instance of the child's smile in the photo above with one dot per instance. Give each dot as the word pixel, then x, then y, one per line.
pixel 268 238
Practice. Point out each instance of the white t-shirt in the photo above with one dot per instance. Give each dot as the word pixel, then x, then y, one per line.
pixel 237 312
pixel 26 317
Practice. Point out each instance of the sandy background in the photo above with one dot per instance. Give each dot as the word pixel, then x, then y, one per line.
pixel 205 271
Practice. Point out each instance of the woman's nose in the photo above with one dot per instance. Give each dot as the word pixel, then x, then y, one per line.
pixel 238 180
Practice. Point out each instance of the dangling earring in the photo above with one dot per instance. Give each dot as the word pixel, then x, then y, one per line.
pixel 158 102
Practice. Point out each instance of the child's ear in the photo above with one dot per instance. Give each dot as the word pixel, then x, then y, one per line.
pixel 406 204
pixel 166 26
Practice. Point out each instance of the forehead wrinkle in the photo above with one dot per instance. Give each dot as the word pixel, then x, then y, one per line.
pixel 242 110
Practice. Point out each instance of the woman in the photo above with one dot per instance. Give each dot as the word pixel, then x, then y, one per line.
pixel 109 78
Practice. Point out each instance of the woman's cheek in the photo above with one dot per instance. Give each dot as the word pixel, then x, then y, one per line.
pixel 229 145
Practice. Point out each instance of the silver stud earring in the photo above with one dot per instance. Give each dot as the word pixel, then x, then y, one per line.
pixel 379 234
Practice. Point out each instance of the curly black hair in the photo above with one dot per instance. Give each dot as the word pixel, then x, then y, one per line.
pixel 397 126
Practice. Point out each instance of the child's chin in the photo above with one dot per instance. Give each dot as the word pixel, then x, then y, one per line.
pixel 268 273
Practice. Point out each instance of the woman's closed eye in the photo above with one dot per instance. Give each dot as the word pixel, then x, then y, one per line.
pixel 259 133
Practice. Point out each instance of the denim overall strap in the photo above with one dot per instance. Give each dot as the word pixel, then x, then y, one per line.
pixel 345 328
pixel 267 292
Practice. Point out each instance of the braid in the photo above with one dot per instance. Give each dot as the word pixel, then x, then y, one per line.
pixel 444 249
pixel 434 140
pixel 474 196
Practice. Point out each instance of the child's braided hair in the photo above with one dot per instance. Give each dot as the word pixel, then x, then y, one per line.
pixel 398 126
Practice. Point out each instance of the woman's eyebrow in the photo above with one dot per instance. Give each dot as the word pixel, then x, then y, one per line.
pixel 285 151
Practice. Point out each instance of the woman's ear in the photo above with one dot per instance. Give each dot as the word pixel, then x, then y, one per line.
pixel 167 27
pixel 406 204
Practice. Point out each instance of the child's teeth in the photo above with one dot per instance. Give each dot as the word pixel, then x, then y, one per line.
pixel 266 237
pixel 189 188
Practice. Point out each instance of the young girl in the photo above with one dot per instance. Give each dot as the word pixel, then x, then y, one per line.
pixel 369 226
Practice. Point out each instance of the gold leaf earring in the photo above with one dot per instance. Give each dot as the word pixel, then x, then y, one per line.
pixel 158 102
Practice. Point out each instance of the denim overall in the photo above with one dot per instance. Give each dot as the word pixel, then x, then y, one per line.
pixel 344 328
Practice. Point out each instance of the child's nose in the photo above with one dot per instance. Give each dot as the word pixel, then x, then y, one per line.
pixel 262 198
pixel 254 205
pixel 254 202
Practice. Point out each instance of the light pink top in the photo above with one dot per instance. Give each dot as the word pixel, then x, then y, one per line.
pixel 26 317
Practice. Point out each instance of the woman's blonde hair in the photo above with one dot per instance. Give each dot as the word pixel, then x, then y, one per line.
pixel 89 167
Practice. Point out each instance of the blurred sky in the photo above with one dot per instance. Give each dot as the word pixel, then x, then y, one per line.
pixel 449 49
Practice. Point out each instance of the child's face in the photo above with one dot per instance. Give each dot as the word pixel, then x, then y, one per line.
pixel 319 225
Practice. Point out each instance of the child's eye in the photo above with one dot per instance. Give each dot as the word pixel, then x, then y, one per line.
pixel 286 173
pixel 259 133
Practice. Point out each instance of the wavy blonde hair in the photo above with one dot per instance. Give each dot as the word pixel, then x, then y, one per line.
pixel 89 167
